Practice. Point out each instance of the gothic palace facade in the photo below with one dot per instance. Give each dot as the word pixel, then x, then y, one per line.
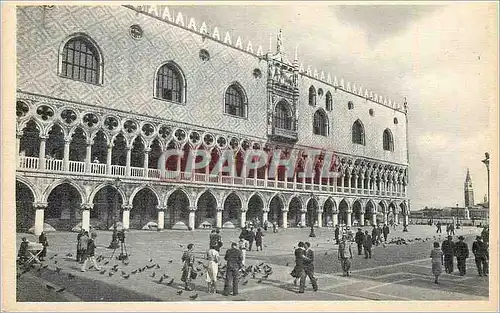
pixel 102 91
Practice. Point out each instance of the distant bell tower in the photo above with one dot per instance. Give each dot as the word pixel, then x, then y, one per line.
pixel 468 191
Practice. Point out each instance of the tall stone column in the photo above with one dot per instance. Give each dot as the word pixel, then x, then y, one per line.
pixel 396 218
pixel 161 217
pixel 127 164
pixel 67 142
pixel 320 219
pixel 342 181
pixel 265 214
pixel 146 161
pixel 349 218
pixel 385 218
pixel 39 217
pixel 356 177
pixel 86 215
pixel 41 152
pixel 407 220
pixel 284 215
pixel 108 159
pixel 192 218
pixel 218 217
pixel 303 218
pixel 374 219
pixel 88 156
pixel 349 182
pixel 19 135
pixel 335 219
pixel 126 216
pixel 362 219
pixel 243 217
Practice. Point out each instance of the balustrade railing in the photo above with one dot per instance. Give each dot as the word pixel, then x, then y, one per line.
pixel 32 163
pixel 95 168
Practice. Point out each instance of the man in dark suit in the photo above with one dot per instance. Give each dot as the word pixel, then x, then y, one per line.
pixel 359 238
pixel 462 253
pixel 233 266
pixel 448 248
pixel 385 231
pixel 480 250
pixel 374 235
pixel 367 244
pixel 309 266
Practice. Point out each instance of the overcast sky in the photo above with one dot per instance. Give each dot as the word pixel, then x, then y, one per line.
pixel 443 58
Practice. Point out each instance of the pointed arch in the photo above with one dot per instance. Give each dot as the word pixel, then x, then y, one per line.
pixel 278 195
pixel 283 115
pixel 144 186
pixel 312 95
pixel 388 140
pixel 320 123
pixel 206 190
pixel 90 65
pixel 170 83
pixel 54 184
pixel 181 189
pixel 235 100
pixel 102 185
pixel 31 186
pixel 328 101
pixel 358 133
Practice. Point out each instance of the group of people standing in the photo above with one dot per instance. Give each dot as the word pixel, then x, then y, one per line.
pixel 304 266
pixel 460 250
pixel 85 248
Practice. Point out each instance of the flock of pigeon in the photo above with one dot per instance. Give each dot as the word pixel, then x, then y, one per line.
pixel 259 272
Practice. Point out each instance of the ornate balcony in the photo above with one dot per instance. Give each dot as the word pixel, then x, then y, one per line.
pixel 54 166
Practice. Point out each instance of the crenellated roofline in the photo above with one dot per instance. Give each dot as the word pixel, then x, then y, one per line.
pixel 164 14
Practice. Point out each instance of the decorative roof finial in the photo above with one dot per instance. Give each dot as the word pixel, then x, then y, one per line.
pixel 279 39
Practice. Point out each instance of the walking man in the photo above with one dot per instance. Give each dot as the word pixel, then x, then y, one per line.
pixel 367 244
pixel 379 234
pixel 337 233
pixel 298 271
pixel 250 237
pixel 359 238
pixel 188 266
pixel 233 266
pixel 345 253
pixel 385 231
pixel 90 256
pixel 309 266
pixel 462 253
pixel 374 235
pixel 480 250
pixel 448 248
pixel 438 226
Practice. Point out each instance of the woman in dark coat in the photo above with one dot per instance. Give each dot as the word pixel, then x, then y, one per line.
pixel 43 240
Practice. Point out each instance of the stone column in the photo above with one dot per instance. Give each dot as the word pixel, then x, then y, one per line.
pixel 374 219
pixel 192 218
pixel 284 215
pixel 39 217
pixel 41 153
pixel 385 217
pixel 127 164
pixel 67 142
pixel 320 219
pixel 303 218
pixel 362 219
pixel 406 219
pixel 342 182
pixel 335 219
pixel 126 216
pixel 349 183
pixel 349 218
pixel 86 216
pixel 161 217
pixel 218 217
pixel 243 217
pixel 19 135
pixel 356 178
pixel 88 156
pixel 396 218
pixel 108 159
pixel 265 213
pixel 146 161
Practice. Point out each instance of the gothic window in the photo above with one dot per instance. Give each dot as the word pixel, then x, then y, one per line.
pixel 312 96
pixel 320 123
pixel 388 140
pixel 80 60
pixel 328 101
pixel 283 116
pixel 235 101
pixel 170 83
pixel 358 133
